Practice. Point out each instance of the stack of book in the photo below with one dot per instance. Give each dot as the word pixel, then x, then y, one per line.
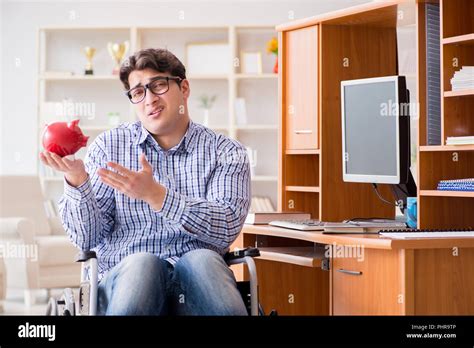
pixel 463 79
pixel 469 140
pixel 263 218
pixel 457 185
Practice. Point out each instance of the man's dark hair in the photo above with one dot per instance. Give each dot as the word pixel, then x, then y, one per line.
pixel 158 59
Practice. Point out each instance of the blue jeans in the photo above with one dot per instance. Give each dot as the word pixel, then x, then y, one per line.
pixel 200 283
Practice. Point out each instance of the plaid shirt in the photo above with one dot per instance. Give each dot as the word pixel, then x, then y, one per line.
pixel 207 177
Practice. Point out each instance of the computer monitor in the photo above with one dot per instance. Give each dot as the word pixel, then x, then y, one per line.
pixel 376 135
pixel 375 130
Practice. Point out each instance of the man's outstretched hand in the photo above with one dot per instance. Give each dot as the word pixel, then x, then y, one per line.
pixel 74 170
pixel 137 185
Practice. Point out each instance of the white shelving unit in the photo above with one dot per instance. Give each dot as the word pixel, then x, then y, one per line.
pixel 60 49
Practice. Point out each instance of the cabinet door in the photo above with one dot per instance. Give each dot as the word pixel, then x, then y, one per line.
pixel 367 283
pixel 301 88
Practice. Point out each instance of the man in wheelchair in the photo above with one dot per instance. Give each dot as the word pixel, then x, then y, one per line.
pixel 159 200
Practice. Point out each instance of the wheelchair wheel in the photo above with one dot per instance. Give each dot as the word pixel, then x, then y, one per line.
pixel 52 308
pixel 64 306
pixel 67 304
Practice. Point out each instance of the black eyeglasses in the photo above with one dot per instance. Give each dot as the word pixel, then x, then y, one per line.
pixel 158 85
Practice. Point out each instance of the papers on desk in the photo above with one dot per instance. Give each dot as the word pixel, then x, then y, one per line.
pixel 361 227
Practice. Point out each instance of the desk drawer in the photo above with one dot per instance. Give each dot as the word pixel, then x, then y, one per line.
pixel 366 282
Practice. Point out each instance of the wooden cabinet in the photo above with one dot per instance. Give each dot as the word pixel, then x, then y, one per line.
pixel 367 283
pixel 430 279
pixel 300 73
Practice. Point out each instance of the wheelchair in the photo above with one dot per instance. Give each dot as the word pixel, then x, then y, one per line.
pixel 86 304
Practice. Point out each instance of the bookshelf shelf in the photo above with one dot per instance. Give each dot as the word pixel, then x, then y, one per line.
pixel 252 127
pixel 256 76
pixel 268 178
pixel 218 127
pixel 313 189
pixel 53 178
pixel 449 148
pixel 467 39
pixel 439 193
pixel 208 77
pixel 303 152
pixel 47 77
pixel 461 93
pixel 96 128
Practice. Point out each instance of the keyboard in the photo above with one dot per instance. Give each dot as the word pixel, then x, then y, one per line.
pixel 427 233
pixel 301 225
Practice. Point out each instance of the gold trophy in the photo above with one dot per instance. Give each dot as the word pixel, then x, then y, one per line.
pixel 89 51
pixel 117 52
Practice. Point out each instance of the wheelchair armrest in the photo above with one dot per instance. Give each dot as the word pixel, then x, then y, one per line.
pixel 85 255
pixel 240 254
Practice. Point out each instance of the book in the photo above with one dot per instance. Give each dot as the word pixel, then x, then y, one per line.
pixel 263 218
pixel 456 185
pixel 463 79
pixel 468 140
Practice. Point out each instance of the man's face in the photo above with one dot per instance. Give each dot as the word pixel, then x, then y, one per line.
pixel 160 114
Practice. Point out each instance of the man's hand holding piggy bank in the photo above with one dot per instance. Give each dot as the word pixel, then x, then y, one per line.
pixel 61 139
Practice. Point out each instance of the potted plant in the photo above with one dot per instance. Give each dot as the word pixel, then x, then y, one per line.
pixel 114 118
pixel 206 103
pixel 272 47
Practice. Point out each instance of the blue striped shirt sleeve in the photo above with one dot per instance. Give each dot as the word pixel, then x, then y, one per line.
pixel 88 211
pixel 219 217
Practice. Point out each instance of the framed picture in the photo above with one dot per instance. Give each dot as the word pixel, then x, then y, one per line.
pixel 251 62
pixel 208 58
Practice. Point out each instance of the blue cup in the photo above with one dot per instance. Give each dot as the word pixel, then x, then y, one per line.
pixel 412 212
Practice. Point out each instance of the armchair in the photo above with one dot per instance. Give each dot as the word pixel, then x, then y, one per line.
pixel 35 258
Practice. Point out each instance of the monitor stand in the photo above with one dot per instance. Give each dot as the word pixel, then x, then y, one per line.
pixel 402 191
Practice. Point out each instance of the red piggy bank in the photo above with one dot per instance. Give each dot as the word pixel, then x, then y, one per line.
pixel 63 138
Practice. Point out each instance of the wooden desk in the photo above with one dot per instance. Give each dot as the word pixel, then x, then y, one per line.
pixel 369 274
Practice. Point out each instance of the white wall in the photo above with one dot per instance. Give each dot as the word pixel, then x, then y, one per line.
pixel 19 21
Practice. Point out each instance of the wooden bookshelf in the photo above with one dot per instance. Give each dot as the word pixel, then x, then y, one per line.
pixel 310 164
pixel 60 79
pixel 447 209
pixel 310 136
pixel 311 56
